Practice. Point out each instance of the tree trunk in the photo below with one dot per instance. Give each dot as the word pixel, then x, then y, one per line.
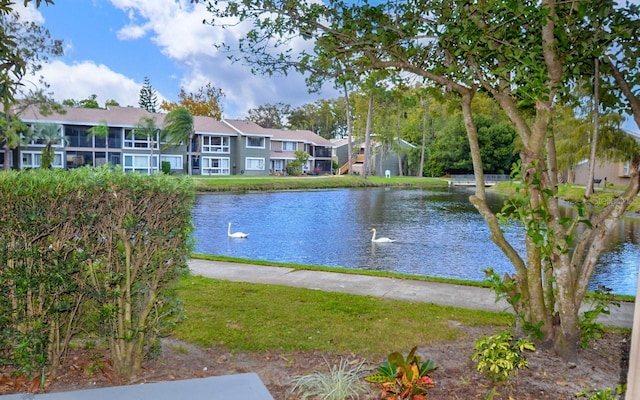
pixel 8 157
pixel 594 140
pixel 8 154
pixel 399 147
pixel 424 138
pixel 189 171
pixel 349 130
pixel 400 171
pixel 367 138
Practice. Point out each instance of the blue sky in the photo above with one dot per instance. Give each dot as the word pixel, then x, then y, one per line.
pixel 112 45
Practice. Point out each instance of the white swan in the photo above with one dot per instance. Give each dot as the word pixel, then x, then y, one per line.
pixel 380 240
pixel 238 235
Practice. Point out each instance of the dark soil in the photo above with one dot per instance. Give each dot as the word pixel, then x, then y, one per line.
pixel 548 377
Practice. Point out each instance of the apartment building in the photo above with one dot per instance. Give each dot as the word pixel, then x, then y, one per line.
pixel 219 147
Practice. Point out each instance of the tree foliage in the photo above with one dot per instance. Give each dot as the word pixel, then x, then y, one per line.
pixel 325 117
pixel 274 116
pixel 178 129
pixel 148 96
pixel 204 102
pixel 23 47
pixel 89 102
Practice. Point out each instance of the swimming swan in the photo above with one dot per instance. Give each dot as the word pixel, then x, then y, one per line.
pixel 380 240
pixel 238 235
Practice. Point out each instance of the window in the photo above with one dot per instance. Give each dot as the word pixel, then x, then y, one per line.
pixel 139 141
pixel 174 161
pixel 215 166
pixel 77 159
pixel 289 146
pixel 139 163
pixel 625 169
pixel 215 144
pixel 255 141
pixel 254 164
pixel 33 159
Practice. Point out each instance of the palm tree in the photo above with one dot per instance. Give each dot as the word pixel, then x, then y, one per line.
pixel 178 129
pixel 147 127
pixel 49 134
pixel 101 131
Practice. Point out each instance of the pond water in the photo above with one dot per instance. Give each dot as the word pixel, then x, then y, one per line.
pixel 437 233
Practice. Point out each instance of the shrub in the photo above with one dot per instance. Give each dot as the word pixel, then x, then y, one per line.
pixel 404 378
pixel 165 167
pixel 499 357
pixel 604 394
pixel 600 303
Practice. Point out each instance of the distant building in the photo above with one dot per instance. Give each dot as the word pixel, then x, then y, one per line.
pixel 226 147
pixel 616 173
pixel 383 157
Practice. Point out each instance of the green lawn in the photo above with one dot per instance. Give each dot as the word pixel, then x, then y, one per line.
pixel 258 317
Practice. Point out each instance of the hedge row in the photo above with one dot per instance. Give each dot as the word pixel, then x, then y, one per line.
pixel 89 252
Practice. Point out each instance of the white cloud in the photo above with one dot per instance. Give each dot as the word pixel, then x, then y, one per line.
pixel 78 81
pixel 28 13
pixel 177 28
pixel 131 32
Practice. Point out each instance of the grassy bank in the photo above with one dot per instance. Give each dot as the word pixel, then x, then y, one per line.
pixel 269 183
pixel 574 193
pixel 258 317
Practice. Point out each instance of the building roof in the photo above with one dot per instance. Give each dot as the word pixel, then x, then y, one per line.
pixel 247 127
pixel 211 125
pixel 117 116
pixel 341 142
pixel 299 136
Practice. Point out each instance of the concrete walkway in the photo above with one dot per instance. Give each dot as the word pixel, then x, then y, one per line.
pixel 240 386
pixel 390 288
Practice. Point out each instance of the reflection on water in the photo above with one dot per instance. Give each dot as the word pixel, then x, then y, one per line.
pixel 438 233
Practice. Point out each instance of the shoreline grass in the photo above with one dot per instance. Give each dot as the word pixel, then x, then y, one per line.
pixel 271 183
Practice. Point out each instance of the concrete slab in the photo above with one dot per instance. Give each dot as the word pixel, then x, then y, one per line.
pixel 240 386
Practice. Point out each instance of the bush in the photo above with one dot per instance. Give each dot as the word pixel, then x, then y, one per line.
pixel 166 167
pixel 499 357
pixel 86 246
pixel 293 168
